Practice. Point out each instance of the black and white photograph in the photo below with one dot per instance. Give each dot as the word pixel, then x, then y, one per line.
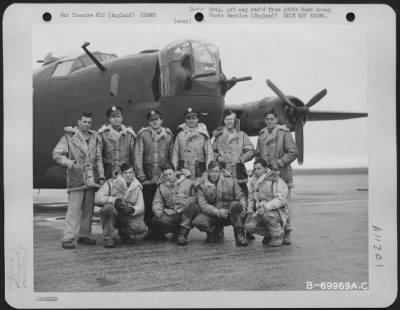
pixel 224 151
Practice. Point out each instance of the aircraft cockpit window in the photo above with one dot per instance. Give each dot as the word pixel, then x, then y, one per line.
pixel 86 60
pixel 63 68
pixel 205 58
pixel 104 57
pixel 114 84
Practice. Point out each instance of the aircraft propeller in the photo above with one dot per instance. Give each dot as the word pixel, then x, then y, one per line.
pixel 300 113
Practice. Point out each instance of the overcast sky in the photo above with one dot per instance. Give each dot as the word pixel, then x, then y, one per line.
pixel 300 60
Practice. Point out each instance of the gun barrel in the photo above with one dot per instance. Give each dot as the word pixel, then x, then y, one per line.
pixel 245 78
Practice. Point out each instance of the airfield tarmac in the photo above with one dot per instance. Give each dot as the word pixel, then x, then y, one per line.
pixel 329 244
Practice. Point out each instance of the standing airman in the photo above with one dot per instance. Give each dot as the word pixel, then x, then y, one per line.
pixel 233 147
pixel 153 147
pixel 117 142
pixel 192 148
pixel 79 151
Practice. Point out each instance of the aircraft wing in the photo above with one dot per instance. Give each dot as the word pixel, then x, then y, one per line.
pixel 332 115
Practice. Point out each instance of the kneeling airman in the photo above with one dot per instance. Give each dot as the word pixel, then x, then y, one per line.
pixel 221 203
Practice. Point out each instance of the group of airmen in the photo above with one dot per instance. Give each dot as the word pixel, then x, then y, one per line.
pixel 153 183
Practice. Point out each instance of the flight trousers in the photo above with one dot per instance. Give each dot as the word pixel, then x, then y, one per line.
pixel 149 191
pixel 289 226
pixel 128 225
pixel 207 223
pixel 271 223
pixel 79 214
pixel 170 223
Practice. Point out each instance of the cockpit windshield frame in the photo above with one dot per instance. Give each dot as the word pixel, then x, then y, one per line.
pixel 198 59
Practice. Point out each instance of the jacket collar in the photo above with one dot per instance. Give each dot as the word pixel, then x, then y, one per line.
pixel 277 128
pixel 201 127
pixel 270 175
pixel 121 186
pixel 224 174
pixel 75 130
pixel 78 139
pixel 179 179
pixel 124 129
pixel 166 131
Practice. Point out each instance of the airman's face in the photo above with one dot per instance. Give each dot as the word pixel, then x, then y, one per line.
pixel 85 123
pixel 155 122
pixel 128 175
pixel 170 175
pixel 115 119
pixel 214 174
pixel 229 121
pixel 259 170
pixel 192 121
pixel 270 121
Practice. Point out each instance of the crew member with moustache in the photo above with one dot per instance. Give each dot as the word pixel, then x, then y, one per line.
pixel 79 151
pixel 233 147
pixel 153 147
pixel 122 205
pixel 221 203
pixel 174 205
pixel 276 146
pixel 117 142
pixel 192 148
pixel 267 205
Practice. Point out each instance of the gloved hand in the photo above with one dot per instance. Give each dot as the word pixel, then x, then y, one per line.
pixel 122 207
pixel 119 203
pixel 126 210
pixel 223 213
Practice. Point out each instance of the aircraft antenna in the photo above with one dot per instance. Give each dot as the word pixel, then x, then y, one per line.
pixel 92 57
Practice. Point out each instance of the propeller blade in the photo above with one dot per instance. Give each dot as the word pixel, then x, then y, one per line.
pixel 299 141
pixel 316 98
pixel 333 115
pixel 280 94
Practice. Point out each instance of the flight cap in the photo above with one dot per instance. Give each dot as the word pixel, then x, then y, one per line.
pixel 153 114
pixel 125 167
pixel 213 164
pixel 190 112
pixel 167 165
pixel 114 110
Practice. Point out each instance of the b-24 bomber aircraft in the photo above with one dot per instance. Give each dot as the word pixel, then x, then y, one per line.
pixel 184 74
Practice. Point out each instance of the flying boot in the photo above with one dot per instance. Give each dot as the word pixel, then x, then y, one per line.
pixel 109 243
pixel 182 235
pixel 68 244
pixel 155 234
pixel 286 237
pixel 266 239
pixel 239 236
pixel 250 236
pixel 219 231
pixel 211 237
pixel 86 240
pixel 276 241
